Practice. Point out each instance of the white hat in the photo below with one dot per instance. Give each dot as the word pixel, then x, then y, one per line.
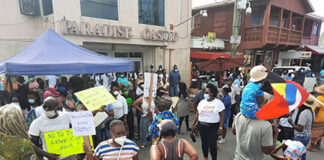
pixel 258 73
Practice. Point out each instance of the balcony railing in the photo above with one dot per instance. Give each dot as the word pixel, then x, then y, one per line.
pixel 275 35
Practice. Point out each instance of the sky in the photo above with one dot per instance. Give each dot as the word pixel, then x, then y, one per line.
pixel 317 4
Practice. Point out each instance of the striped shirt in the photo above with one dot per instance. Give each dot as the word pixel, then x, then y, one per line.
pixel 107 152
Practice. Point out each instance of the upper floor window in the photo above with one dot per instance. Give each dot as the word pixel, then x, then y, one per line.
pixel 151 12
pixel 106 9
pixel 47 7
pixel 315 29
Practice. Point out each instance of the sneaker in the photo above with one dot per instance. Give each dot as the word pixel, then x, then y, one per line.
pixel 221 141
pixel 142 146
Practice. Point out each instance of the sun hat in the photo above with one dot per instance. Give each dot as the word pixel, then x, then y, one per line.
pixel 295 149
pixel 310 102
pixel 258 73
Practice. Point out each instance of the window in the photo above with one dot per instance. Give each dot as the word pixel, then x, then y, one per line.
pixel 268 58
pixel 259 57
pixel 47 7
pixel 315 29
pixel 105 9
pixel 151 12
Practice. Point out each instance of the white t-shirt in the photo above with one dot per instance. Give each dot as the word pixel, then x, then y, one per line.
pixel 235 91
pixel 209 111
pixel 97 79
pixel 120 107
pixel 284 121
pixel 139 91
pixel 43 124
pixel 51 80
pixel 105 81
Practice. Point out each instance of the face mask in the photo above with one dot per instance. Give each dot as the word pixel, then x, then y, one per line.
pixel 116 93
pixel 31 101
pixel 31 79
pixel 120 140
pixel 141 86
pixel 213 79
pixel 126 93
pixel 140 77
pixel 206 96
pixel 122 76
pixel 221 94
pixel 176 70
pixel 50 114
pixel 15 103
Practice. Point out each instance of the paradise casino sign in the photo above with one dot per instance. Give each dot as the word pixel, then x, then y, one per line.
pixel 114 31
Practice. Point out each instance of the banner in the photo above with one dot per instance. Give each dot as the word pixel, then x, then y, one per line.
pixel 31 116
pixel 64 143
pixel 94 98
pixel 82 123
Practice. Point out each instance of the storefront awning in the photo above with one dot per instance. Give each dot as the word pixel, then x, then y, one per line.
pixel 315 49
pixel 211 55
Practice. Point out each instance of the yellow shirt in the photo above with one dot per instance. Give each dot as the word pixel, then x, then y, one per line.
pixel 320 115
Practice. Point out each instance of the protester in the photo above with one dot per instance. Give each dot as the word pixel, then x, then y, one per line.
pixel 286 129
pixel 77 83
pixel 32 84
pixel 175 78
pixel 64 103
pixel 318 126
pixel 254 138
pixel 41 89
pixel 102 130
pixel 299 77
pixel 51 120
pixel 294 150
pixel 303 123
pixel 147 116
pixel 200 95
pixel 237 80
pixel 130 97
pixel 120 106
pixel 14 138
pixel 123 80
pixel 182 106
pixel 51 92
pixel 213 81
pixel 4 98
pixel 164 105
pixel 34 99
pixel 163 87
pixel 252 96
pixel 159 71
pixel 226 99
pixel 119 147
pixel 139 80
pixel 235 96
pixel 171 148
pixel 139 94
pixel 210 116
pixel 22 94
pixel 194 77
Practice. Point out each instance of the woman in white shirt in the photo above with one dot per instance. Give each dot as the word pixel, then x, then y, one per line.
pixel 210 116
pixel 144 102
pixel 120 107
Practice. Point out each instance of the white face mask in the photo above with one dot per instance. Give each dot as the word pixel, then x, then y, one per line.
pixel 50 114
pixel 116 93
pixel 120 140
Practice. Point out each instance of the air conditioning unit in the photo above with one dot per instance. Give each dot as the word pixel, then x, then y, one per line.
pixel 29 7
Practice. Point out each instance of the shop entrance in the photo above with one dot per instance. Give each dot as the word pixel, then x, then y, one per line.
pixel 136 57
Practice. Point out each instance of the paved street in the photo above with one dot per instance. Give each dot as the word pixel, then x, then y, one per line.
pixel 227 149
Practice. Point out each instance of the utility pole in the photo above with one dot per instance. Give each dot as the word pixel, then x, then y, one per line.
pixel 235 38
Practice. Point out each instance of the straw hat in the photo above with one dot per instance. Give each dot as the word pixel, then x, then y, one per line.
pixel 319 89
pixel 310 102
pixel 258 73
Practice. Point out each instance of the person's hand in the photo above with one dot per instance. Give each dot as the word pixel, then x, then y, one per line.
pixel 52 156
pixel 103 106
pixel 86 149
pixel 141 110
pixel 220 130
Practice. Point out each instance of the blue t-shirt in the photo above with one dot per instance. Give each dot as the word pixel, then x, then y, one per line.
pixel 174 77
pixel 227 102
pixel 249 104
pixel 287 77
pixel 123 81
pixel 237 82
pixel 322 75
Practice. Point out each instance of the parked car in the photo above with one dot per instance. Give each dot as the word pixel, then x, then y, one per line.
pixel 310 79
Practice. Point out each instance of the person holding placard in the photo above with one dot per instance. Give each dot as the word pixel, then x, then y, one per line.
pixel 51 120
pixel 119 147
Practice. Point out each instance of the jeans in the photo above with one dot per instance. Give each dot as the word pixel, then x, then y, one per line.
pixel 227 117
pixel 144 130
pixel 174 90
pixel 304 141
pixel 208 135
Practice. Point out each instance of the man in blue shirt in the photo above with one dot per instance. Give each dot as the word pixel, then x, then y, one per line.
pixel 174 81
pixel 123 80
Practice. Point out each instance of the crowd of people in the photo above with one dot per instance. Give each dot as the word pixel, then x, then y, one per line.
pixel 229 100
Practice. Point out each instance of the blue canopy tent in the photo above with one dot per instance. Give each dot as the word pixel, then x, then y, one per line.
pixel 51 54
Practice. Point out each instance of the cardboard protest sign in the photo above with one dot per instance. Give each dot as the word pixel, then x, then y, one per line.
pixel 99 118
pixel 31 116
pixel 94 98
pixel 82 123
pixel 147 83
pixel 64 143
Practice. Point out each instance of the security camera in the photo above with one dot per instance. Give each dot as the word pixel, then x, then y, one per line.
pixel 203 13
pixel 248 10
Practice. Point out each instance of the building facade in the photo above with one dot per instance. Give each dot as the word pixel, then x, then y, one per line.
pixel 137 30
pixel 273 26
